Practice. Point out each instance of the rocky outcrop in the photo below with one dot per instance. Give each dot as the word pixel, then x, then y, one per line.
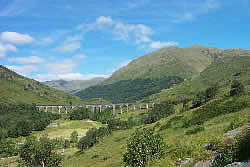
pixel 184 162
pixel 204 164
pixel 231 135
pixel 240 164
pixel 235 132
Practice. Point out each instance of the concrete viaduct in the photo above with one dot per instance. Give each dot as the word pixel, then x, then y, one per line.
pixel 95 107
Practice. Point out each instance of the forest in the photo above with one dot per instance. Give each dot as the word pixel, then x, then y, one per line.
pixel 129 90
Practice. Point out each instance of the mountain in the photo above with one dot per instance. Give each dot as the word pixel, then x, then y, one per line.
pixel 16 89
pixel 73 86
pixel 221 73
pixel 158 70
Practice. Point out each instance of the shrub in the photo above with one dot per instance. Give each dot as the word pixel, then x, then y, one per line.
pixel 237 88
pixel 143 147
pixel 39 153
pixel 8 148
pixel 74 137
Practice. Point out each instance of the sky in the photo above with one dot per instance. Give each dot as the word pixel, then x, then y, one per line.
pixel 82 39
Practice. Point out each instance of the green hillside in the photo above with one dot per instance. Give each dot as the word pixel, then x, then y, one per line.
pixel 172 61
pixel 148 72
pixel 15 89
pixel 221 72
pixel 73 86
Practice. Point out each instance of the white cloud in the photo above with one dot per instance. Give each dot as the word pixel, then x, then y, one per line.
pixel 71 44
pixel 104 20
pixel 91 76
pixel 16 38
pixel 65 66
pixel 158 44
pixel 46 41
pixel 34 51
pixel 26 60
pixel 67 76
pixel 80 56
pixel 64 69
pixel 52 76
pixel 136 33
pixel 16 7
pixel 24 70
pixel 52 58
pixel 69 47
pixel 4 48
pixel 73 38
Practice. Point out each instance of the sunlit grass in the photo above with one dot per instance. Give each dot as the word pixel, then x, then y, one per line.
pixel 66 127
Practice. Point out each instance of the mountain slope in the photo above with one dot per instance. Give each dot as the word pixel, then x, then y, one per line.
pixel 73 86
pixel 15 88
pixel 172 61
pixel 221 72
pixel 183 63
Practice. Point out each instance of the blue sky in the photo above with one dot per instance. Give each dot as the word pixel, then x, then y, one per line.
pixel 82 39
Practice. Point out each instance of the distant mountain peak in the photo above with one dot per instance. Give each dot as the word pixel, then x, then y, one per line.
pixel 74 85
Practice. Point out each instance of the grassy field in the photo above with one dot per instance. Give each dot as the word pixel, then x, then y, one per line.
pixel 66 127
pixel 110 147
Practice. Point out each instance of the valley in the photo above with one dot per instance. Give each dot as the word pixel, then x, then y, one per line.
pixel 134 83
pixel 189 97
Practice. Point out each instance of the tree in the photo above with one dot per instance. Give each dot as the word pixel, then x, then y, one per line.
pixel 23 128
pixel 92 137
pixel 204 96
pixel 79 114
pixel 89 140
pixel 7 148
pixel 143 147
pixel 40 153
pixel 159 111
pixel 237 88
pixel 210 93
pixel 74 137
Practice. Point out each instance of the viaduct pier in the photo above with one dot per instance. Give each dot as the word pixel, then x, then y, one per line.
pixel 123 107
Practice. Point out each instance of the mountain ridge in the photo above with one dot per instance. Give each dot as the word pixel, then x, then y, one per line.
pixel 186 63
pixel 74 85
pixel 17 89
